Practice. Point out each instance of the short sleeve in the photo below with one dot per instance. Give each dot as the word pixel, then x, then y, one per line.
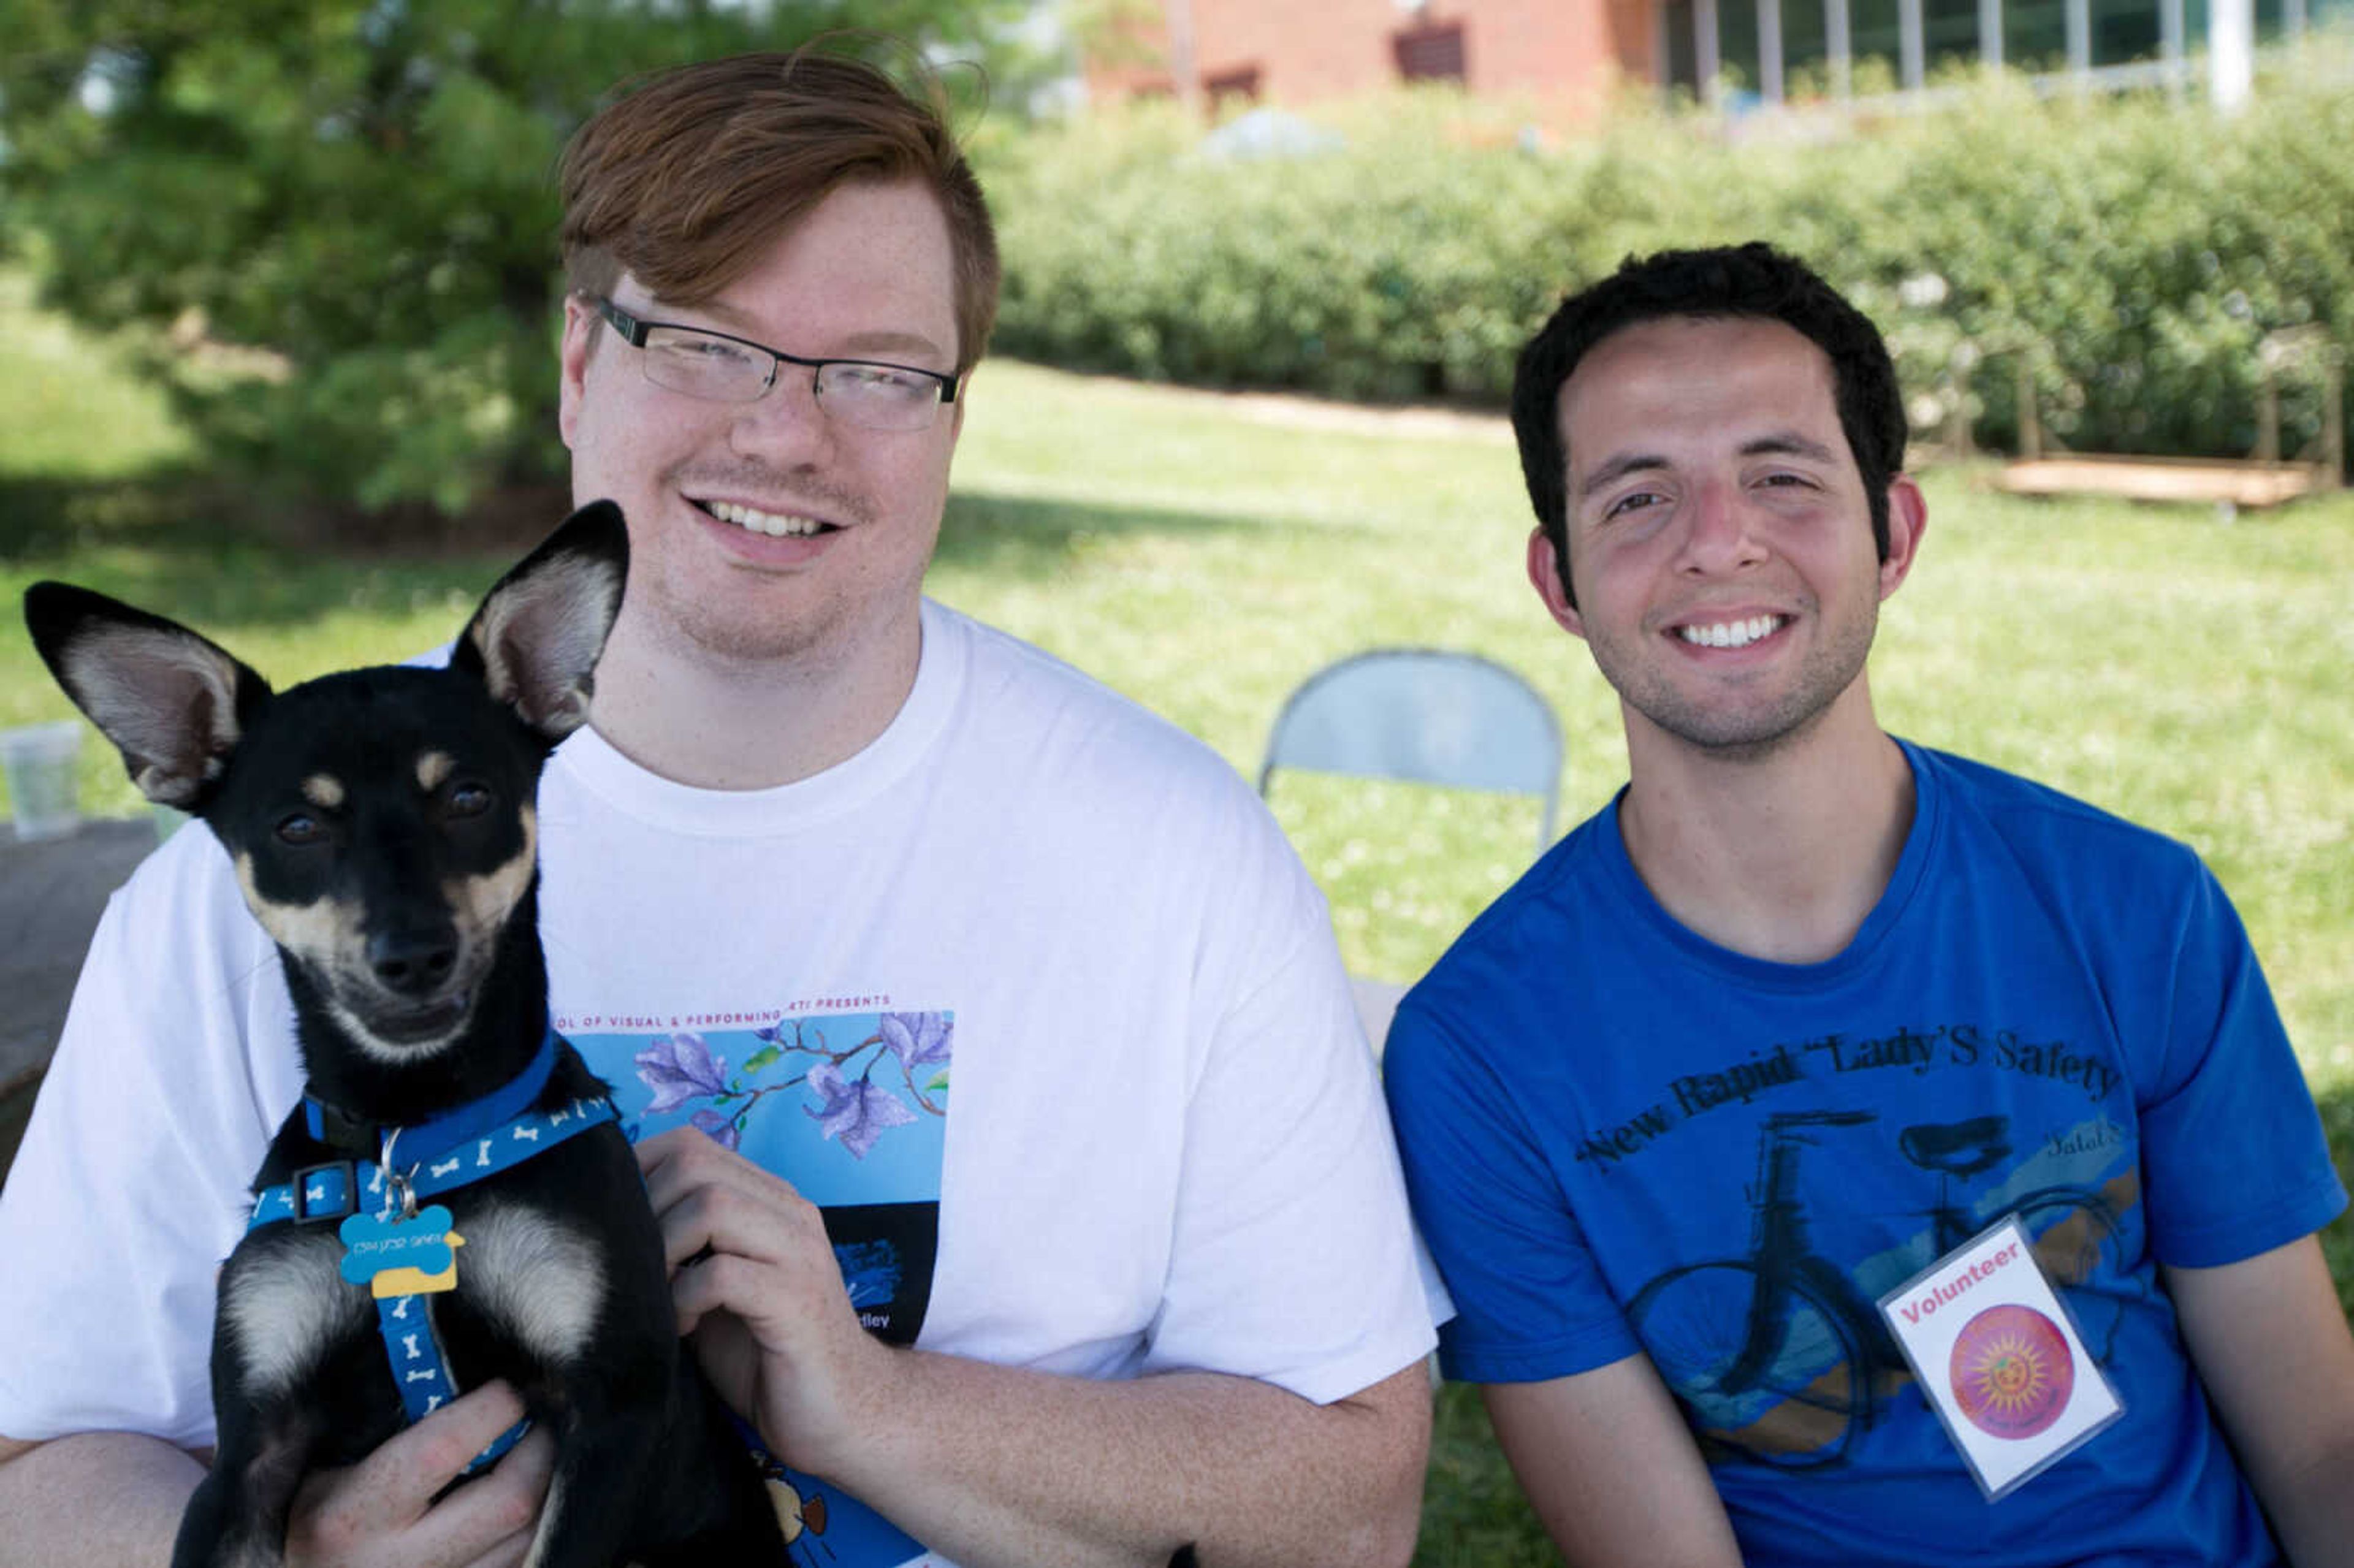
pixel 1529 1303
pixel 134 1177
pixel 2233 1151
pixel 1293 1260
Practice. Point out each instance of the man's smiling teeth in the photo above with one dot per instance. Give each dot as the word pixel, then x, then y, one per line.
pixel 760 521
pixel 1730 633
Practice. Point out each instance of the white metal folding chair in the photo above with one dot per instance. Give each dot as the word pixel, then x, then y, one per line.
pixel 1429 715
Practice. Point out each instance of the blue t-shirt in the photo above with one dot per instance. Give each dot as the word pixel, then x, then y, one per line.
pixel 1620 1137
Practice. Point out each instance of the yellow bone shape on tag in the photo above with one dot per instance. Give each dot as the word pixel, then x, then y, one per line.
pixel 415 1281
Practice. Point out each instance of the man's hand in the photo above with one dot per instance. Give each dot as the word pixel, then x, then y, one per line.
pixel 998 1465
pixel 755 1282
pixel 381 1511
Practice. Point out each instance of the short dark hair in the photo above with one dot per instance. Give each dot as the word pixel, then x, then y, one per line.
pixel 686 180
pixel 1752 279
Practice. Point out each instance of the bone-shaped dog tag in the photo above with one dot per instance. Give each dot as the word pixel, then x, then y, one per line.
pixel 394 1255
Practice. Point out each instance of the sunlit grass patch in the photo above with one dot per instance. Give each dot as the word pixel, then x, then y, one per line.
pixel 69 409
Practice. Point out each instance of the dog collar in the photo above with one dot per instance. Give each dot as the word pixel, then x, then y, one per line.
pixel 339 1130
pixel 334 1190
pixel 476 1139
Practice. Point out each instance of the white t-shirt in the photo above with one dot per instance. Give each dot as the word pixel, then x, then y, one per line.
pixel 1060 939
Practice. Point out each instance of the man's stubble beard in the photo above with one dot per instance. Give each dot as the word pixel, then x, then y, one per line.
pixel 1728 730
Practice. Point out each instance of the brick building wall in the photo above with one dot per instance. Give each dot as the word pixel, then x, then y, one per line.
pixel 1568 54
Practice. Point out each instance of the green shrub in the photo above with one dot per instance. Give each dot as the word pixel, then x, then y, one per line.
pixel 2136 246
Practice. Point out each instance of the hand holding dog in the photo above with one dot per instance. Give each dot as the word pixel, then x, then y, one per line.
pixel 381 1511
pixel 756 1283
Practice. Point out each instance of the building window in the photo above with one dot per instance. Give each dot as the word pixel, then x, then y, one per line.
pixel 1430 53
pixel 1237 85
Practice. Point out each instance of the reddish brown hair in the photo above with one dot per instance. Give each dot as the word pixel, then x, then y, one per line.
pixel 683 181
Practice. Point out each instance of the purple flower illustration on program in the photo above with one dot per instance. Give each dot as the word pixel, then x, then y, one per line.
pixel 855 1111
pixel 917 1038
pixel 720 1126
pixel 851 1107
pixel 678 1068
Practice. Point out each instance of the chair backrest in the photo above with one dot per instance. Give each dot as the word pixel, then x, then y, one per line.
pixel 1427 715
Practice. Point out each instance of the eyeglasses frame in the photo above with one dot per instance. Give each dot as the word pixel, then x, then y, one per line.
pixel 633 329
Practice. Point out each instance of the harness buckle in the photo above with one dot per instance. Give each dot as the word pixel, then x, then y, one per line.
pixel 339 1192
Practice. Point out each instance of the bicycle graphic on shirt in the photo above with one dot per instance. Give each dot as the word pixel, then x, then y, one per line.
pixel 1779 1358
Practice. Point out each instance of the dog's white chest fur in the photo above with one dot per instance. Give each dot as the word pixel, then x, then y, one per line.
pixel 535 1273
pixel 285 1303
pixel 288 1305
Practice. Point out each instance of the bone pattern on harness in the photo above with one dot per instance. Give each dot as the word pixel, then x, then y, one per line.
pixel 421 1369
pixel 332 1191
pixel 412 1344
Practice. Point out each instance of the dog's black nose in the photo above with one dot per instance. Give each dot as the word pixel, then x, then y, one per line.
pixel 412 962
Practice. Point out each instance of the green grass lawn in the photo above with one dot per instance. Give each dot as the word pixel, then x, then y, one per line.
pixel 1204 556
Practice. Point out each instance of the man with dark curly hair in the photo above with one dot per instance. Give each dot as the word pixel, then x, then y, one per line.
pixel 1838 1150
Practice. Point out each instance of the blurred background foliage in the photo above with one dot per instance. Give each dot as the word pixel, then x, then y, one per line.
pixel 330 224
pixel 2137 246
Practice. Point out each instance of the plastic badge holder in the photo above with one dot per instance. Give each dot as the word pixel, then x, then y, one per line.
pixel 1998 1357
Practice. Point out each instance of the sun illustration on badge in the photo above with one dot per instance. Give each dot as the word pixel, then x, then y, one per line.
pixel 2011 1370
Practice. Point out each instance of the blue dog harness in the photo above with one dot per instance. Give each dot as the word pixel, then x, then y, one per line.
pixel 459 1147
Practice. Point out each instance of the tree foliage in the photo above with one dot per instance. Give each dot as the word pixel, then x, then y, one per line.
pixel 340 215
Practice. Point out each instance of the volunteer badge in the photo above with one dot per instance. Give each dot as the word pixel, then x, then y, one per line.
pixel 1999 1358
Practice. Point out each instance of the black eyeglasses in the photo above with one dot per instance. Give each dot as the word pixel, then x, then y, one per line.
pixel 723 368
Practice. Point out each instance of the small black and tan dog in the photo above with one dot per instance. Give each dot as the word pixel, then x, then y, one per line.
pixel 453 1202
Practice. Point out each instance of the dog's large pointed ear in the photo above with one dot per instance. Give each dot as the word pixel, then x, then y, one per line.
pixel 173 703
pixel 535 641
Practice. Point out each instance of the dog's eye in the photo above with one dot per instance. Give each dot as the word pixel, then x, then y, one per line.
pixel 468 800
pixel 301 829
